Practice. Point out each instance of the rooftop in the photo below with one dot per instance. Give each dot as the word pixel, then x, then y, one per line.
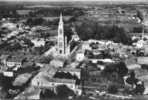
pixel 16 59
pixel 57 80
pixel 46 79
pixel 70 69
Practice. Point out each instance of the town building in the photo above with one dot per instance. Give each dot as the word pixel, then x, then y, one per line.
pixel 15 61
pixel 142 60
pixel 43 81
pixel 80 56
pixel 38 42
pixel 57 63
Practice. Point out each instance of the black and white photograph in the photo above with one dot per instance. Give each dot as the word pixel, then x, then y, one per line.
pixel 73 49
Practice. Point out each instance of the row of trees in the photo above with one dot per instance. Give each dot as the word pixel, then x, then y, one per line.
pixel 89 29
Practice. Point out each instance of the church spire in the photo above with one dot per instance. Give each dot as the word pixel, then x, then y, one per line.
pixel 61 18
pixel 62 47
pixel 61 39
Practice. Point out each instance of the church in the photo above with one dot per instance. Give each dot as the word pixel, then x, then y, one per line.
pixel 63 48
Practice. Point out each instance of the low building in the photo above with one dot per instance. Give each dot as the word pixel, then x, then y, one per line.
pixel 80 56
pixel 44 81
pixel 74 64
pixel 142 60
pixel 10 26
pixel 8 74
pixel 86 46
pixel 102 60
pixel 57 63
pixel 15 61
pixel 38 42
pixel 133 66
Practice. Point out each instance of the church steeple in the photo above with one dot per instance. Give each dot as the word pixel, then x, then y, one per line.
pixel 62 40
pixel 61 47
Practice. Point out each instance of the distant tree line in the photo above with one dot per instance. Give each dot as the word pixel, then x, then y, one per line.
pixel 9 10
pixel 52 12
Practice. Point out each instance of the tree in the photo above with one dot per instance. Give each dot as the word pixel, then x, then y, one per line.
pixel 115 72
pixel 66 75
pixel 3 94
pixel 35 21
pixel 90 29
pixel 137 29
pixel 28 42
pixel 113 89
pixel 46 60
pixel 63 91
pixel 139 88
pixel 86 30
pixel 122 69
pixel 38 50
pixel 46 94
pixel 140 15
pixel 68 32
pixel 29 21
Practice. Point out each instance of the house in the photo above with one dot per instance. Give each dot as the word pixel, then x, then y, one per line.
pixel 144 78
pixel 57 63
pixel 142 60
pixel 38 42
pixel 15 61
pixel 101 67
pixel 86 46
pixel 133 66
pixel 74 64
pixel 10 26
pixel 80 56
pixel 43 81
pixel 8 74
pixel 102 60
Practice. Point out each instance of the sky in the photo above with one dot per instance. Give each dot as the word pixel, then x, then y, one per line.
pixel 81 0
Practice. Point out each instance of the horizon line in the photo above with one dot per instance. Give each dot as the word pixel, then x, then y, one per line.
pixel 134 1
